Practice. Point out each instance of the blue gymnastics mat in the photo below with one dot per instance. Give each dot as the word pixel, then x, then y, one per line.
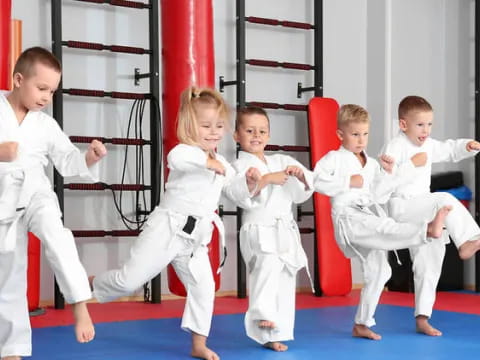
pixel 322 333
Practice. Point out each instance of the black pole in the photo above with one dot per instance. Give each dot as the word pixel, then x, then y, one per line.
pixel 59 301
pixel 318 86
pixel 318 47
pixel 477 135
pixel 241 268
pixel 155 158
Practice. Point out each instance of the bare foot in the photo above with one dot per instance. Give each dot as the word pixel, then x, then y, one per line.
pixel 266 324
pixel 435 227
pixel 90 281
pixel 200 349
pixel 363 331
pixel 424 327
pixel 468 249
pixel 84 330
pixel 276 346
pixel 13 357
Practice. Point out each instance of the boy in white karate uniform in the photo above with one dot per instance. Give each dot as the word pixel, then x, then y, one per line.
pixel 357 185
pixel 414 152
pixel 269 238
pixel 28 139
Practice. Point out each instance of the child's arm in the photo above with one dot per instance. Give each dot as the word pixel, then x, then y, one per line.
pixel 242 187
pixel 190 158
pixel 300 182
pixel 8 151
pixel 328 180
pixel 453 150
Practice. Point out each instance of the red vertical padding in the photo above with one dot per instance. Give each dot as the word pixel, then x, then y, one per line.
pixel 5 15
pixel 33 272
pixel 334 269
pixel 187 59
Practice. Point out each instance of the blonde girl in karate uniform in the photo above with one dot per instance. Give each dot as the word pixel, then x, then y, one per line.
pixel 180 228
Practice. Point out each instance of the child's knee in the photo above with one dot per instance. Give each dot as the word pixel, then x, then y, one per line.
pixel 446 199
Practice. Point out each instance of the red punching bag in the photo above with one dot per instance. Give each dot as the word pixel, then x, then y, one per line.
pixel 5 15
pixel 33 272
pixel 334 270
pixel 187 59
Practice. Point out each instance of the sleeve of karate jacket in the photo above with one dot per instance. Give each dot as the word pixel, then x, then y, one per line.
pixel 403 169
pixel 186 158
pixel 297 189
pixel 66 157
pixel 451 150
pixel 236 188
pixel 327 179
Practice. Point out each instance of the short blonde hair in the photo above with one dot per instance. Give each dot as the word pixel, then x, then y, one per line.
pixel 350 113
pixel 247 111
pixel 191 100
pixel 412 104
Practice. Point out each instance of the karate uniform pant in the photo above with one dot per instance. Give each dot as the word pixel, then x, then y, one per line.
pixel 272 298
pixel 158 245
pixel 43 218
pixel 376 272
pixel 428 259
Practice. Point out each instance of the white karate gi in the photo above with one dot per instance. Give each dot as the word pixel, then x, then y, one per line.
pixel 191 190
pixel 27 203
pixel 414 199
pixel 271 247
pixel 361 227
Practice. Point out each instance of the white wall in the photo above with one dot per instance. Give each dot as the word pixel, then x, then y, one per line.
pixel 375 52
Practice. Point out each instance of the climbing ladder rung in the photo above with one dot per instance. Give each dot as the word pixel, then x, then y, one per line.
pixel 306 230
pixel 102 233
pixel 114 141
pixel 102 93
pixel 290 148
pixel 122 3
pixel 286 65
pixel 103 186
pixel 100 47
pixel 275 22
pixel 269 105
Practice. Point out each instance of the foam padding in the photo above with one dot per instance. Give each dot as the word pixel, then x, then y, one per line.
pixel 334 269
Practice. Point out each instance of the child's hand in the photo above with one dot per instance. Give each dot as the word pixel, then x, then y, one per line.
pixel 356 181
pixel 298 173
pixel 215 165
pixel 277 178
pixel 387 163
pixel 96 151
pixel 253 177
pixel 8 151
pixel 419 159
pixel 473 146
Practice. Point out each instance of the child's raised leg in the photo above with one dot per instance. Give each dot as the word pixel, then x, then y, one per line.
pixel 200 349
pixel 11 358
pixel 435 227
pixel 84 330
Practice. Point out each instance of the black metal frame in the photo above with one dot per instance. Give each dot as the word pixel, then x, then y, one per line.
pixel 155 127
pixel 477 133
pixel 240 83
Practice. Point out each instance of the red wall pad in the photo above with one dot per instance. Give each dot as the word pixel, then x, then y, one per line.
pixel 334 269
pixel 187 59
pixel 5 14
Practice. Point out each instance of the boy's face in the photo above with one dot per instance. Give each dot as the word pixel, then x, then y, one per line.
pixel 210 128
pixel 253 134
pixel 36 90
pixel 417 126
pixel 354 136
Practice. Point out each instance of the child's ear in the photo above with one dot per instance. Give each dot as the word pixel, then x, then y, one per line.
pixel 17 79
pixel 235 136
pixel 402 124
pixel 340 134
